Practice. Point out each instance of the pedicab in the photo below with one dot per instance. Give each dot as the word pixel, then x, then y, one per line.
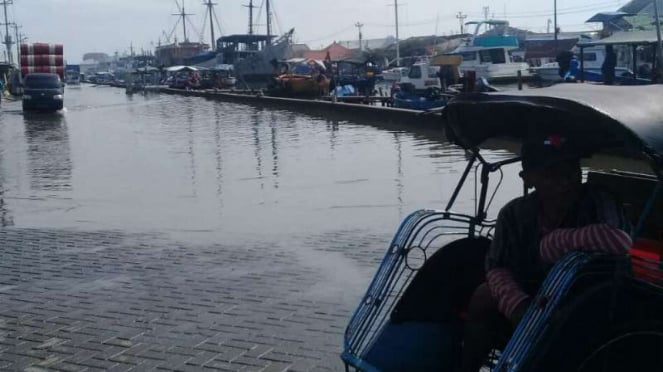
pixel 594 312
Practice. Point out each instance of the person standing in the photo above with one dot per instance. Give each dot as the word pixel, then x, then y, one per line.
pixel 609 64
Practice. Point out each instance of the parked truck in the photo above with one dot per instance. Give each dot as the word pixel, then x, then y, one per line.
pixel 72 74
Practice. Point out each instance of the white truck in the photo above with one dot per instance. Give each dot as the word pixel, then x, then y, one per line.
pixel 424 76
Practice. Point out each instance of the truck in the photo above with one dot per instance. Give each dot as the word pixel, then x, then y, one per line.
pixel 41 75
pixel 72 74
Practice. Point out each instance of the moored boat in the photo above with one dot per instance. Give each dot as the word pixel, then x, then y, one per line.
pixel 491 56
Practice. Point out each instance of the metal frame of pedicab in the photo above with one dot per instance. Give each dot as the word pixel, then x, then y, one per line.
pixel 632 124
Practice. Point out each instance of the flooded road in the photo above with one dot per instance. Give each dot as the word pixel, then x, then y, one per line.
pixel 185 164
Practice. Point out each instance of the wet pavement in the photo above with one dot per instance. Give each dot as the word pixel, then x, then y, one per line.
pixel 177 233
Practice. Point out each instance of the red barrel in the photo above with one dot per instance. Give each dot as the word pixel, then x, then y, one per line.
pixel 42 60
pixel 50 69
pixel 41 48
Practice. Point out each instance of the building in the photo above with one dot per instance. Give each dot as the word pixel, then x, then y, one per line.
pixel 334 51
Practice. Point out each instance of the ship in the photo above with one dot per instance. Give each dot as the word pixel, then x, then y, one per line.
pixel 178 53
pixel 255 57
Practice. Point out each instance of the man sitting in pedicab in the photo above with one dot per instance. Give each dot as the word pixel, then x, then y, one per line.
pixel 534 231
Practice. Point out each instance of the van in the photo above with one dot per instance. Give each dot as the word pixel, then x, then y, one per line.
pixel 42 92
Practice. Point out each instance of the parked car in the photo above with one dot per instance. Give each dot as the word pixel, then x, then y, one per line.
pixel 42 92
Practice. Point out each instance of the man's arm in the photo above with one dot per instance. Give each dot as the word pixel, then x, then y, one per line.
pixel 506 290
pixel 502 283
pixel 597 238
pixel 608 235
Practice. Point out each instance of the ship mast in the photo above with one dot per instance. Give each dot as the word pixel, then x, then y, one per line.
pixel 269 23
pixel 250 6
pixel 398 50
pixel 8 38
pixel 210 9
pixel 183 14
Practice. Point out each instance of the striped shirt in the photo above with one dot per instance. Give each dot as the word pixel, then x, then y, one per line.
pixel 522 252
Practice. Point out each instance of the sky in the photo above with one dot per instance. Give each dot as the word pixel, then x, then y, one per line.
pixel 111 26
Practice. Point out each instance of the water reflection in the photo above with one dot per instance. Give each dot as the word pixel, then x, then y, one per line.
pixel 5 218
pixel 332 127
pixel 274 143
pixel 191 146
pixel 257 152
pixel 218 156
pixel 49 154
pixel 399 171
pixel 188 164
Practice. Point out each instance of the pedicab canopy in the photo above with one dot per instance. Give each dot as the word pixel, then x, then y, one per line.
pixel 597 116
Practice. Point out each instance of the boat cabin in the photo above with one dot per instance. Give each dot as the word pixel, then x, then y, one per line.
pixel 233 48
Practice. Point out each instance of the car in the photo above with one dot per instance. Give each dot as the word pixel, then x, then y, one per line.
pixel 42 92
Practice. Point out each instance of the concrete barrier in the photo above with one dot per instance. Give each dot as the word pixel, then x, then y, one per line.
pixel 338 110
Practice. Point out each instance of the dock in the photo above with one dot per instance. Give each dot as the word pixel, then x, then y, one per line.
pixel 354 107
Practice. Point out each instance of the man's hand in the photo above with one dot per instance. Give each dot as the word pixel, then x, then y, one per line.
pixel 519 312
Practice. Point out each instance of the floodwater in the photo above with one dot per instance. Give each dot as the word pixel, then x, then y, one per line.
pixel 187 165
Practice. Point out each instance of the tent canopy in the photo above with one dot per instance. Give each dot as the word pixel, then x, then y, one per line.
pixel 183 68
pixel 624 38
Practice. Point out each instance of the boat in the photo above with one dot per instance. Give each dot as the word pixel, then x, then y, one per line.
pixel 402 98
pixel 179 52
pixel 359 73
pixel 594 312
pixel 255 57
pixel 491 56
pixel 300 77
pixel 225 76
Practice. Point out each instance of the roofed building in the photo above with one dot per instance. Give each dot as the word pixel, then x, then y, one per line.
pixel 335 51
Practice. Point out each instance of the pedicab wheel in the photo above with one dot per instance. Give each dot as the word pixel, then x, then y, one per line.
pixel 634 347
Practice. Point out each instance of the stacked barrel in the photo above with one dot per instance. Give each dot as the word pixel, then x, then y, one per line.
pixel 42 57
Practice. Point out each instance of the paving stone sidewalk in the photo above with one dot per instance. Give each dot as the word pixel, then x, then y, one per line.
pixel 88 301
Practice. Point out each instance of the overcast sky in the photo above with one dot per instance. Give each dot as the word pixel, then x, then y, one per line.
pixel 113 25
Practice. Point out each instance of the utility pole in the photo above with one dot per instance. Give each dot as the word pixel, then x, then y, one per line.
pixel 183 14
pixel 461 18
pixel 18 42
pixel 359 26
pixel 486 9
pixel 250 6
pixel 659 47
pixel 210 9
pixel 548 26
pixel 8 38
pixel 555 20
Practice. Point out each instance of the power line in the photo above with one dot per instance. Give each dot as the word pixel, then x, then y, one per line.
pixel 330 35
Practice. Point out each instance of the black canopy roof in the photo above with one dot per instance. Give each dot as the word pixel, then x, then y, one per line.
pixel 596 115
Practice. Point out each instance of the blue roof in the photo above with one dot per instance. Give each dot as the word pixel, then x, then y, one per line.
pixel 607 16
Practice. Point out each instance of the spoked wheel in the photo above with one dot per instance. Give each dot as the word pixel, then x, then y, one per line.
pixel 637 349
